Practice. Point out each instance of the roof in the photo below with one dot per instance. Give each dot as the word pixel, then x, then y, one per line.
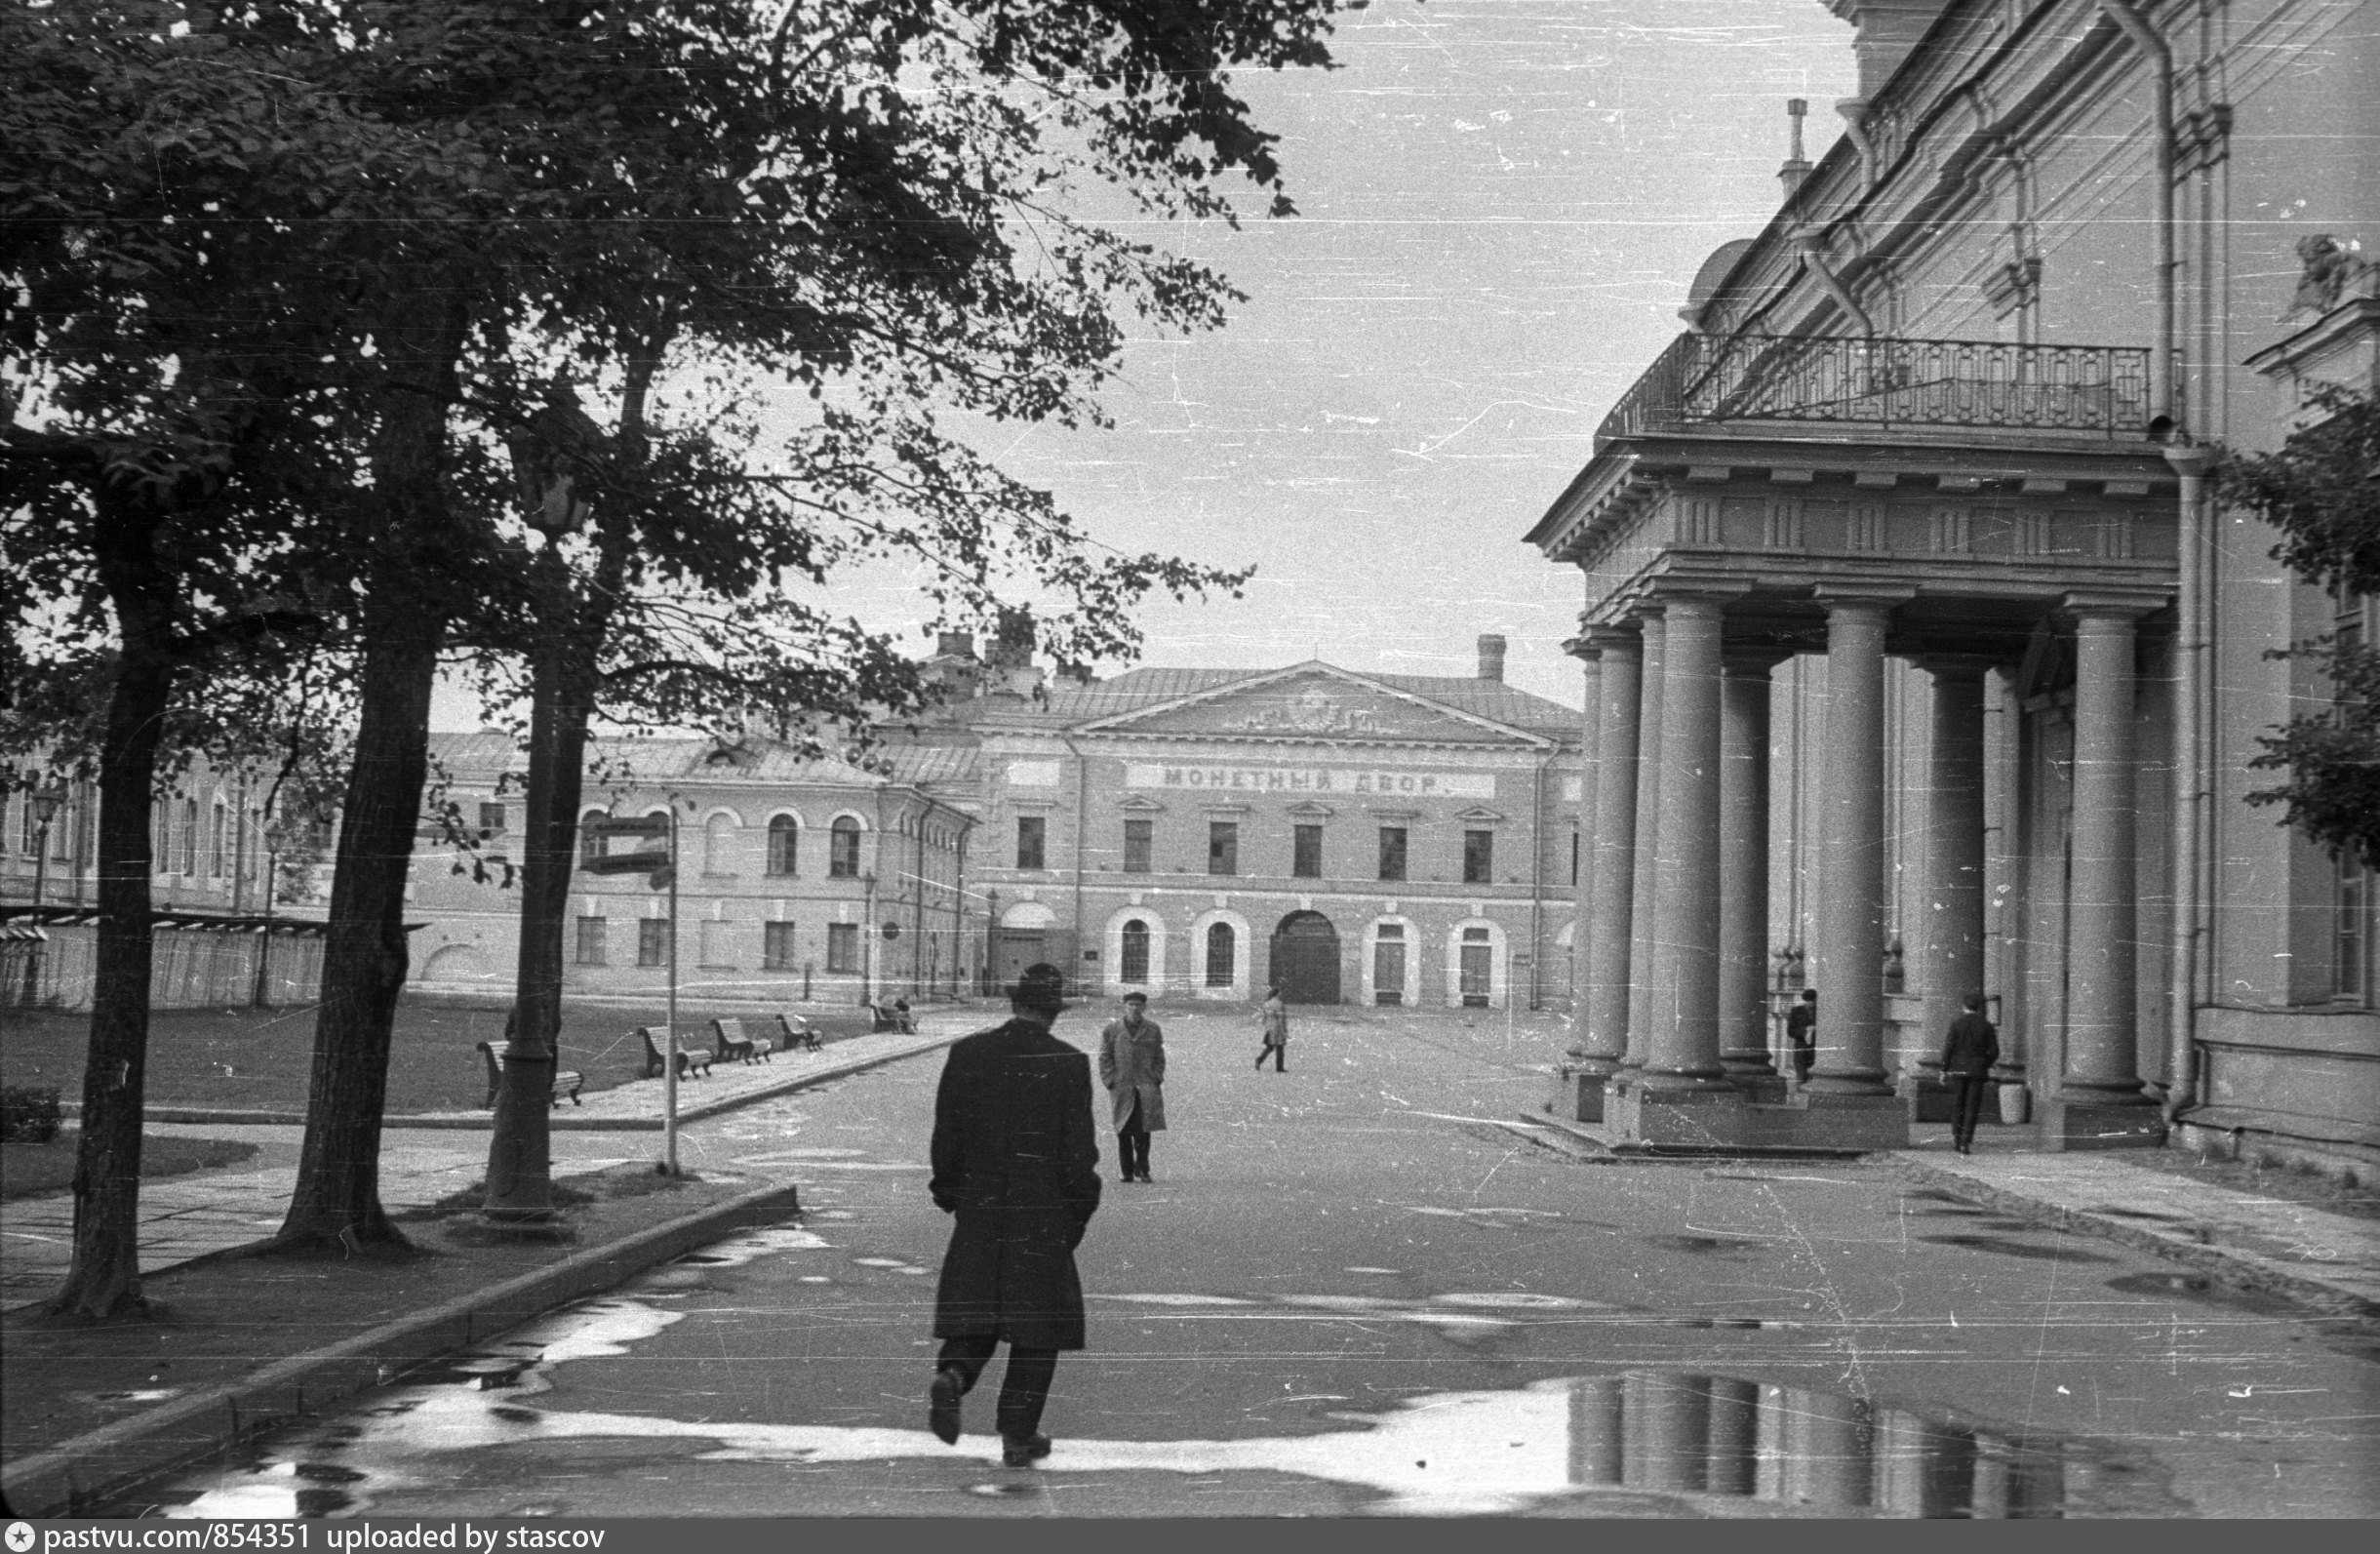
pixel 650 762
pixel 1068 705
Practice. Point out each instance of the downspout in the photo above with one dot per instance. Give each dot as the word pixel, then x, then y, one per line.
pixel 1812 243
pixel 917 900
pixel 1536 882
pixel 2191 463
pixel 1082 823
pixel 1855 114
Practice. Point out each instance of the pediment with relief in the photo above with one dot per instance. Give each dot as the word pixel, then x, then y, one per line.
pixel 1314 706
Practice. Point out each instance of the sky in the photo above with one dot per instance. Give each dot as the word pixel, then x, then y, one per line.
pixel 1502 204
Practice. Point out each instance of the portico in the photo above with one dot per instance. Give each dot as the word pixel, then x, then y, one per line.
pixel 2017 567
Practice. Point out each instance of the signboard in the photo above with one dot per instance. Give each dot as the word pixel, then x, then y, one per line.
pixel 1384 782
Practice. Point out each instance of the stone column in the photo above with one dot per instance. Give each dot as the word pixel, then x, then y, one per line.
pixel 1682 1041
pixel 1954 845
pixel 1735 1464
pixel 1828 1443
pixel 1641 936
pixel 2102 1059
pixel 1590 657
pixel 1743 872
pixel 1849 947
pixel 1609 926
pixel 1596 1436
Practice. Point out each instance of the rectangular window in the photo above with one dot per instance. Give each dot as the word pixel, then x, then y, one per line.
pixel 777 951
pixel 1138 837
pixel 189 837
pixel 590 941
pixel 2351 961
pixel 1392 851
pixel 491 820
pixel 1574 858
pixel 653 941
pixel 1306 853
pixel 842 946
pixel 1032 833
pixel 713 947
pixel 1479 858
pixel 1222 847
pixel 219 843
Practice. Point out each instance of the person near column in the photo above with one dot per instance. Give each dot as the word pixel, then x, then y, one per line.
pixel 1133 1067
pixel 1274 1016
pixel 1016 1163
pixel 1968 1056
pixel 1801 1034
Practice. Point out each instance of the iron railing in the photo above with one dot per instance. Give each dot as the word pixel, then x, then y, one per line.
pixel 1885 383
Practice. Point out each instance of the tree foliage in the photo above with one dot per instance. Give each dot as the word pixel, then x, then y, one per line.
pixel 2321 490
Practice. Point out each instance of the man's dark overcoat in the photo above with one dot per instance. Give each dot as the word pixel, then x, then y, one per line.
pixel 1017 1160
pixel 1971 1047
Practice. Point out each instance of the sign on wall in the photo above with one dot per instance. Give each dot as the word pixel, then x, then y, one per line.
pixel 1390 782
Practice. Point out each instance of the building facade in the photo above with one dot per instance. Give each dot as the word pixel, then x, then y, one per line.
pixel 1923 661
pixel 1201 834
pixel 797 880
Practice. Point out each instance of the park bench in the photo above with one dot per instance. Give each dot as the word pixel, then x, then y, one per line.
pixel 732 1042
pixel 566 1081
pixel 895 1016
pixel 796 1031
pixel 690 1059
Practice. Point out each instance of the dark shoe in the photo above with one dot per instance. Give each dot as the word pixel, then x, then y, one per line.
pixel 1023 1452
pixel 942 1407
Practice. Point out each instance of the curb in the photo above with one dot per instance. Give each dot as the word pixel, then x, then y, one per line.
pixel 564 1120
pixel 66 1478
pixel 1582 1144
pixel 2242 1268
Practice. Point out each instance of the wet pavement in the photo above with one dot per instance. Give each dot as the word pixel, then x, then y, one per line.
pixel 1352 1291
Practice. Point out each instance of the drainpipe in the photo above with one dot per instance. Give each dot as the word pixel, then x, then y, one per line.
pixel 1811 241
pixel 2160 65
pixel 1536 885
pixel 2192 464
pixel 1082 823
pixel 916 903
pixel 1854 113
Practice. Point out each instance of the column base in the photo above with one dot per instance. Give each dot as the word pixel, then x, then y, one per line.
pixel 1928 1099
pixel 1716 1122
pixel 1696 1118
pixel 2063 1124
pixel 1578 1091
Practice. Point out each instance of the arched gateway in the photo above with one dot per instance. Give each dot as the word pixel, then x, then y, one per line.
pixel 1306 959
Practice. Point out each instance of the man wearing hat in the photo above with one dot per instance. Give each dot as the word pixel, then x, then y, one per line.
pixel 1133 1067
pixel 1016 1160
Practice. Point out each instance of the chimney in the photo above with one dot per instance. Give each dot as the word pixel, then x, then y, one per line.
pixel 1796 166
pixel 1013 646
pixel 1491 657
pixel 955 644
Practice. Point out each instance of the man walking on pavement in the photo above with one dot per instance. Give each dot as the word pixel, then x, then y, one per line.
pixel 1968 1056
pixel 1274 1015
pixel 1133 1067
pixel 1016 1160
pixel 1801 1034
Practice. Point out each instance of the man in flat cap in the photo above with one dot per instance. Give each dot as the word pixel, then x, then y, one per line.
pixel 1017 1160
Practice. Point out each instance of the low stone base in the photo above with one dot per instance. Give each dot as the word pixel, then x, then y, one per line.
pixel 2062 1125
pixel 1578 1094
pixel 1720 1121
pixel 1927 1099
pixel 1695 1118
pixel 1762 1090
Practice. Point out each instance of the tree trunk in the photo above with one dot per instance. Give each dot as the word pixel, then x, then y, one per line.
pixel 406 608
pixel 103 1280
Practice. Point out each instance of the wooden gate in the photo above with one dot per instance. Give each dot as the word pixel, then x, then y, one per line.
pixel 1306 959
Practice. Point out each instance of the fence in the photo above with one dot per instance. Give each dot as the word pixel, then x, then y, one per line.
pixel 52 967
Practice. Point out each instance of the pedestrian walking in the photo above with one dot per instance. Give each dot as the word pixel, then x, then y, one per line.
pixel 1968 1052
pixel 1801 1034
pixel 1016 1161
pixel 1274 1015
pixel 1133 1067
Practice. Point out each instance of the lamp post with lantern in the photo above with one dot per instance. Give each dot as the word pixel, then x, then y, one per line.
pixel 45 804
pixel 549 459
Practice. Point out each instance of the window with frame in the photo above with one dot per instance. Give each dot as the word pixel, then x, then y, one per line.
pixel 218 843
pixel 1032 840
pixel 1392 851
pixel 2353 916
pixel 1479 858
pixel 653 941
pixel 843 848
pixel 784 846
pixel 491 821
pixel 590 940
pixel 189 836
pixel 1140 841
pixel 1222 847
pixel 1222 947
pixel 591 845
pixel 1306 851
pixel 842 946
pixel 713 944
pixel 1574 858
pixel 1133 959
pixel 776 948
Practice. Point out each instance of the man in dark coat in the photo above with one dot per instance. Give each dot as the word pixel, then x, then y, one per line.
pixel 1968 1056
pixel 1801 1034
pixel 1016 1159
pixel 1133 1067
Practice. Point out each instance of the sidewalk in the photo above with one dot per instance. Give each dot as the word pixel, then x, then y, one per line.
pixel 2327 1260
pixel 422 1158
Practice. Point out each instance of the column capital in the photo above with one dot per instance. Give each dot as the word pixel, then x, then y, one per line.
pixel 1611 639
pixel 1880 599
pixel 1583 647
pixel 1957 665
pixel 1694 591
pixel 2190 459
pixel 2126 605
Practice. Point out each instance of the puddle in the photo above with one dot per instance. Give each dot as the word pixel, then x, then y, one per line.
pixel 1700 1243
pixel 2017 1249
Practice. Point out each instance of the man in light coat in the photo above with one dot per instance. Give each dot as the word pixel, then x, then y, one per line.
pixel 1016 1160
pixel 1274 1015
pixel 1133 1067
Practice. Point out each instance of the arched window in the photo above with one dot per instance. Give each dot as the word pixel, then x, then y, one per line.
pixel 1135 958
pixel 189 836
pixel 590 846
pixel 719 845
pixel 784 845
pixel 1222 947
pixel 843 850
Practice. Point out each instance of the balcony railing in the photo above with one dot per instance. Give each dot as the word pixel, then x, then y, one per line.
pixel 1881 384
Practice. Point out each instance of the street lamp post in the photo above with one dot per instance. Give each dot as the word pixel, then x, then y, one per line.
pixel 520 1152
pixel 46 802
